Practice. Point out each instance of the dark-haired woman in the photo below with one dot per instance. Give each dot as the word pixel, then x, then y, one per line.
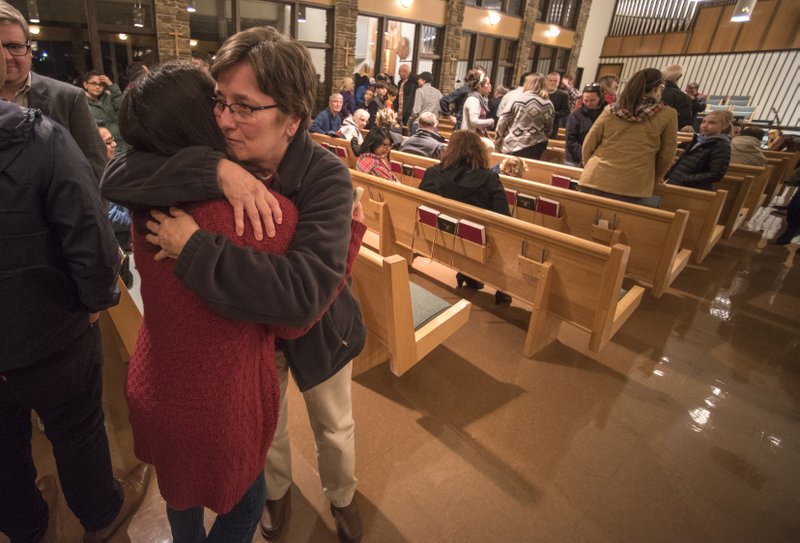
pixel 202 390
pixel 631 145
pixel 580 122
pixel 374 156
pixel 475 115
pixel 464 175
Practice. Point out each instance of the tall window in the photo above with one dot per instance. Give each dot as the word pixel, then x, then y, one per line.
pixel 398 46
pixel 545 59
pixel 495 54
pixel 511 7
pixel 211 24
pixel 429 50
pixel 563 13
pixel 262 13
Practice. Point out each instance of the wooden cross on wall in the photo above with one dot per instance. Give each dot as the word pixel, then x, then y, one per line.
pixel 176 35
pixel 347 51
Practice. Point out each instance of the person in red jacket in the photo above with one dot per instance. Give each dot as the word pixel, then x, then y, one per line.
pixel 202 389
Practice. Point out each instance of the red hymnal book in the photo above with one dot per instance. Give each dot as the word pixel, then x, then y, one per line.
pixel 340 152
pixel 546 206
pixel 560 181
pixel 419 173
pixel 511 196
pixel 397 167
pixel 472 231
pixel 428 215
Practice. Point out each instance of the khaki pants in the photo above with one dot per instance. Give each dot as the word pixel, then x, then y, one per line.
pixel 330 413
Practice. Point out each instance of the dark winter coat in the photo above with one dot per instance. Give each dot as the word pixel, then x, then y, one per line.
pixel 701 164
pixel 59 256
pixel 481 188
pixel 674 97
pixel 578 125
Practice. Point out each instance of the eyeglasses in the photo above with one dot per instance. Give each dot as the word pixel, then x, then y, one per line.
pixel 238 110
pixel 110 141
pixel 591 87
pixel 94 83
pixel 17 49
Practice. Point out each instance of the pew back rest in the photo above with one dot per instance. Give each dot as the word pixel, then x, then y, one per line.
pixel 339 146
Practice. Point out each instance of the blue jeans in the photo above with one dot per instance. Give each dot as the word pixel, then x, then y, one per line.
pixel 66 390
pixel 237 525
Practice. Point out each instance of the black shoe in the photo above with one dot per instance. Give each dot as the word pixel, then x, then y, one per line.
pixel 785 238
pixel 273 517
pixel 348 522
pixel 501 298
pixel 469 281
pixel 125 272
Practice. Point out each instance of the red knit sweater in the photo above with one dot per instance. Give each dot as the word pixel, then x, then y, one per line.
pixel 202 390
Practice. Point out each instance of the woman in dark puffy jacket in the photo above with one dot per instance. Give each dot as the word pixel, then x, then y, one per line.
pixel 464 175
pixel 580 121
pixel 705 159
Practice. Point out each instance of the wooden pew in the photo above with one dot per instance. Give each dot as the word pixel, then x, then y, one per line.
pixel 564 278
pixel 391 304
pixel 755 194
pixel 653 235
pixel 785 164
pixel 734 211
pixel 704 207
pixel 126 318
pixel 339 146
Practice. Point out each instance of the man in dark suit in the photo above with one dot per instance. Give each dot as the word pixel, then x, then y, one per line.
pixel 560 101
pixel 62 102
pixel 406 87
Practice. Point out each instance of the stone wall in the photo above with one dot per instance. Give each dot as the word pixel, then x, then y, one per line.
pixel 345 17
pixel 452 43
pixel 525 40
pixel 580 30
pixel 172 17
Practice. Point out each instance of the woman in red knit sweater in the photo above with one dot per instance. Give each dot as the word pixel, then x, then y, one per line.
pixel 202 389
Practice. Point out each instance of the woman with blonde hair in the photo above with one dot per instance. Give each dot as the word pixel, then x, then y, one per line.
pixel 348 98
pixel 387 118
pixel 632 143
pixel 705 159
pixel 513 166
pixel 523 127
pixel 610 85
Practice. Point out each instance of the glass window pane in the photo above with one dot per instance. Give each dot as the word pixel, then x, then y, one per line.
pixel 211 24
pixel 463 49
pixel 261 13
pixel 425 65
pixel 66 11
pixel 119 53
pixel 461 72
pixel 315 29
pixel 61 53
pixel 366 45
pixel 430 40
pixel 484 52
pixel 398 46
pixel 515 7
pixel 508 51
pixel 320 59
pixel 138 13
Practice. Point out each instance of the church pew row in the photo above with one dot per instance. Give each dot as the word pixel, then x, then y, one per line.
pixel 338 146
pixel 653 235
pixel 564 278
pixel 755 196
pixel 704 207
pixel 404 321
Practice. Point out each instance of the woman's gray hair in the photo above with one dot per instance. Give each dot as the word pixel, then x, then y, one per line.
pixel 361 114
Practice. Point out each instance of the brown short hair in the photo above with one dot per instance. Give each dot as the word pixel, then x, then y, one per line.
pixel 465 148
pixel 282 66
pixel 11 15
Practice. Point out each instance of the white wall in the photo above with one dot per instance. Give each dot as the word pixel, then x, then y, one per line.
pixel 599 22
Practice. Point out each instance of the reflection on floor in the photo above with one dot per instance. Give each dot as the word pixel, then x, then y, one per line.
pixel 685 428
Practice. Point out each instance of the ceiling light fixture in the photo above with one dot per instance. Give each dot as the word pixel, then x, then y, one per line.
pixel 190 8
pixel 192 43
pixel 406 3
pixel 743 11
pixel 33 11
pixel 33 29
pixel 138 15
pixel 552 31
pixel 123 37
pixel 301 14
pixel 494 17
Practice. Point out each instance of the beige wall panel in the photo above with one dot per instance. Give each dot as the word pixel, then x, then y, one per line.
pixel 565 39
pixel 612 46
pixel 674 43
pixel 631 45
pixel 325 2
pixel 752 33
pixel 704 27
pixel 424 11
pixel 783 33
pixel 477 20
pixel 727 32
pixel 651 44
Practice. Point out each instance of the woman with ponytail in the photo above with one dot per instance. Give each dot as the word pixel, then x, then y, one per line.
pixel 632 143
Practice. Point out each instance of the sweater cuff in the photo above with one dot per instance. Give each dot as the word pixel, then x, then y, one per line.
pixel 210 182
pixel 188 252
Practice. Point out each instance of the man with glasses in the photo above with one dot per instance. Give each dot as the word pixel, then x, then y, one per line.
pixel 104 99
pixel 60 101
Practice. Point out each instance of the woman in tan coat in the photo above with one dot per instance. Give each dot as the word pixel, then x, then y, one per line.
pixel 631 145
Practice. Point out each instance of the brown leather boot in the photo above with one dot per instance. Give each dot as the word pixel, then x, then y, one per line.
pixel 273 517
pixel 348 522
pixel 48 486
pixel 134 486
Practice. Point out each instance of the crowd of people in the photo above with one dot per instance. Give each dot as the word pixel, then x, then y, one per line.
pixel 245 232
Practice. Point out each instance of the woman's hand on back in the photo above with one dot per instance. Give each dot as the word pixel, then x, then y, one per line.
pixel 170 232
pixel 249 195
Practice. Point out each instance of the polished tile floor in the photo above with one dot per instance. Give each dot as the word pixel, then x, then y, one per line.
pixel 685 428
